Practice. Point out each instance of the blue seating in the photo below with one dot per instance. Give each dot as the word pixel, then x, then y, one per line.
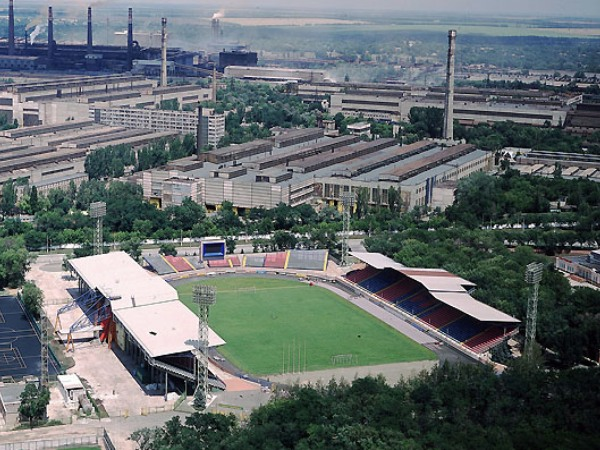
pixel 464 328
pixel 380 281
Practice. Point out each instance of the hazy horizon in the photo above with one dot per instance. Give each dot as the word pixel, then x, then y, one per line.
pixel 533 8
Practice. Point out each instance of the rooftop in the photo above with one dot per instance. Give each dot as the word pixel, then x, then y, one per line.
pixel 165 328
pixel 123 281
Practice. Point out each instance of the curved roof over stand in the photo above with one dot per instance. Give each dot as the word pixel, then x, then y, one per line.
pixel 444 286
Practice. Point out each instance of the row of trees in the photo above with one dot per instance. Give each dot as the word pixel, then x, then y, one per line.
pixel 453 407
pixel 61 218
pixel 512 197
pixel 427 122
pixel 112 161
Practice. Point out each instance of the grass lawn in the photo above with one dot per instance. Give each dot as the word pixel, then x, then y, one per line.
pixel 273 325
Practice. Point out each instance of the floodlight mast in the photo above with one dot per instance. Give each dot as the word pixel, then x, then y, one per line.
pixel 204 297
pixel 44 377
pixel 98 211
pixel 347 207
pixel 533 276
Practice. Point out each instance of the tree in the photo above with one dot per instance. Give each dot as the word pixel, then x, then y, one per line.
pixel 230 243
pixel 133 247
pixel 14 262
pixel 168 249
pixel 34 202
pixel 34 402
pixel 33 298
pixel 362 202
pixel 9 197
pixel 394 199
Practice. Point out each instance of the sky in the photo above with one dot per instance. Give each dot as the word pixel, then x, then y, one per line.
pixel 567 8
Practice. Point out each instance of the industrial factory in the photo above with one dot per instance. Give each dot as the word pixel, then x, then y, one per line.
pixel 25 54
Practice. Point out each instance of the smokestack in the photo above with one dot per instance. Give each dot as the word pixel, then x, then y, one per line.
pixel 11 28
pixel 163 48
pixel 130 39
pixel 90 42
pixel 449 110
pixel 215 28
pixel 199 140
pixel 50 33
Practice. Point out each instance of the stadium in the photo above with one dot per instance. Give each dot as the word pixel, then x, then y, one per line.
pixel 281 313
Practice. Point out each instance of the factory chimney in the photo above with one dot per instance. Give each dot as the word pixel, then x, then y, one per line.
pixel 11 28
pixel 50 33
pixel 216 27
pixel 449 107
pixel 163 57
pixel 130 39
pixel 90 42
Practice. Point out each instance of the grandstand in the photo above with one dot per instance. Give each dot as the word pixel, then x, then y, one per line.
pixel 436 300
pixel 141 313
pixel 308 260
pixel 165 265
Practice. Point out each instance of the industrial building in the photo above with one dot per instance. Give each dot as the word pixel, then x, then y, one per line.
pixel 259 174
pixel 585 267
pixel 71 98
pixel 56 55
pixel 393 103
pixel 51 156
pixel 275 74
pixel 547 164
pixel 184 122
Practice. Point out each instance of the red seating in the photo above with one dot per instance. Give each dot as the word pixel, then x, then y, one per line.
pixel 235 261
pixel 439 317
pixel 276 260
pixel 486 340
pixel 357 276
pixel 397 290
pixel 218 263
pixel 178 263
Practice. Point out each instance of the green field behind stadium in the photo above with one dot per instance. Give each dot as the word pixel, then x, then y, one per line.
pixel 273 325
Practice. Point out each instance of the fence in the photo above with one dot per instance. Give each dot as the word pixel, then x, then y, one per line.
pixel 107 441
pixel 52 443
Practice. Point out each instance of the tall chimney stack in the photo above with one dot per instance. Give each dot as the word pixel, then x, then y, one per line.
pixel 449 107
pixel 163 58
pixel 130 39
pixel 90 41
pixel 50 33
pixel 11 28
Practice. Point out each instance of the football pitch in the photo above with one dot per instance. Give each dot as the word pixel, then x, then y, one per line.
pixel 273 325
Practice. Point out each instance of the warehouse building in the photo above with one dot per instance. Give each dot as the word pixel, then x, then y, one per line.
pixel 262 175
pixel 71 98
pixel 392 103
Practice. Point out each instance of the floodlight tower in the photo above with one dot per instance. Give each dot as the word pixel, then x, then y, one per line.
pixel 204 297
pixel 347 206
pixel 98 211
pixel 533 276
pixel 44 348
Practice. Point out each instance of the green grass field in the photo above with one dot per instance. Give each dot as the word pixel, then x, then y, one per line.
pixel 273 325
